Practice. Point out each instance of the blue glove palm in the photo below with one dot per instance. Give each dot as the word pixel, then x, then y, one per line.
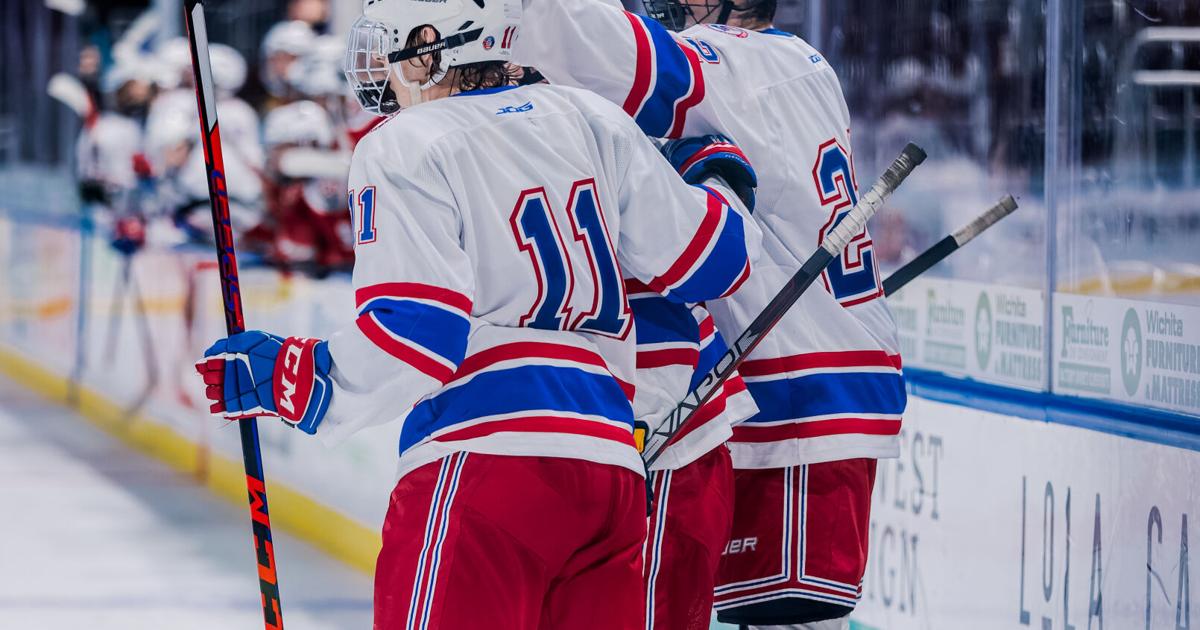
pixel 699 158
pixel 259 374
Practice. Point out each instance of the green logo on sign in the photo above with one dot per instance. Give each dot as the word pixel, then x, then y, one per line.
pixel 1131 352
pixel 983 330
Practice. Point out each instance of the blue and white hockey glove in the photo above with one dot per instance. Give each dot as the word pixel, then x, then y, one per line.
pixel 697 159
pixel 259 374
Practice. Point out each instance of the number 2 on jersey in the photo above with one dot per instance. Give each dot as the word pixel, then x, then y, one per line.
pixel 559 306
pixel 851 278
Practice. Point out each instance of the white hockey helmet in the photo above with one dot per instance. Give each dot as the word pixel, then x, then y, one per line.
pixel 292 37
pixel 128 69
pixel 467 31
pixel 175 58
pixel 289 40
pixel 170 124
pixel 319 72
pixel 301 123
pixel 228 68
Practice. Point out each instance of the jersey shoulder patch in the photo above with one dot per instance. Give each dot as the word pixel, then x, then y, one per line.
pixel 731 31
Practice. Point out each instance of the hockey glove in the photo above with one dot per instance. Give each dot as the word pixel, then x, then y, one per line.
pixel 129 234
pixel 259 374
pixel 697 159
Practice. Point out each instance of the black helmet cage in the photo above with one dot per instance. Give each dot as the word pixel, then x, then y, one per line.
pixel 674 14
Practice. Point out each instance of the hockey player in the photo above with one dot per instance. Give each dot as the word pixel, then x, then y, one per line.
pixel 284 44
pixel 827 381
pixel 492 226
pixel 113 172
pixel 182 187
pixel 239 122
pixel 692 483
pixel 318 76
pixel 108 153
pixel 306 224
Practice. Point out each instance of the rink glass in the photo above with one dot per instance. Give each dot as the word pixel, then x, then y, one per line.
pixel 1089 114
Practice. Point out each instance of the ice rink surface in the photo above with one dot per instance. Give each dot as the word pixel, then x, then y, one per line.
pixel 97 536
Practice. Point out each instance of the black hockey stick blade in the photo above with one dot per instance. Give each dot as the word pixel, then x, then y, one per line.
pixel 851 224
pixel 943 248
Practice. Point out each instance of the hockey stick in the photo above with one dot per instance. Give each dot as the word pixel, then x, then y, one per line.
pixel 71 92
pixel 948 245
pixel 851 224
pixel 84 305
pixel 125 288
pixel 218 194
pixel 116 313
pixel 151 362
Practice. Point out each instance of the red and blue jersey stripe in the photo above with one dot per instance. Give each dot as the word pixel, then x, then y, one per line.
pixel 667 332
pixel 668 80
pixel 529 387
pixel 715 263
pixel 422 325
pixel 824 393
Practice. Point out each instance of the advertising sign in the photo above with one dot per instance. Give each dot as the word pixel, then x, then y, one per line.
pixel 988 332
pixel 1138 352
pixel 995 522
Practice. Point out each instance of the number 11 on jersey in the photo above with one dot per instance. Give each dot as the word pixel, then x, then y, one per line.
pixel 559 306
pixel 363 215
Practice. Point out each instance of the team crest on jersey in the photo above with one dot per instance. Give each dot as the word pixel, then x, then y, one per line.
pixel 816 58
pixel 488 42
pixel 739 33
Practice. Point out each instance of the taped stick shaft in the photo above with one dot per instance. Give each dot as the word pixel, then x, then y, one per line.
pixel 1006 206
pixel 851 224
pixel 948 245
pixel 210 135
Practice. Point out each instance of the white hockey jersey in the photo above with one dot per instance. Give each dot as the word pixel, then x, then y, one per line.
pixel 492 232
pixel 828 380
pixel 105 152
